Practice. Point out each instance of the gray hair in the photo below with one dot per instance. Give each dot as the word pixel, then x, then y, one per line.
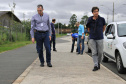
pixel 40 6
pixel 77 23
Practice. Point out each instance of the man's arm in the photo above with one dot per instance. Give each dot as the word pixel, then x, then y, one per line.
pixel 88 29
pixel 32 29
pixel 104 23
pixel 49 28
pixel 88 25
pixel 82 32
pixel 104 28
pixel 52 26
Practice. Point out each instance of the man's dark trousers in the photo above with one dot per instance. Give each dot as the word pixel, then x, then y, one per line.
pixel 53 39
pixel 73 42
pixel 43 38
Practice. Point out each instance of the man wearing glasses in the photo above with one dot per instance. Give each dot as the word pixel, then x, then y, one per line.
pixel 40 22
pixel 96 26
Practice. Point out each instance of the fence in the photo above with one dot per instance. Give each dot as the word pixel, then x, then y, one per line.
pixel 16 32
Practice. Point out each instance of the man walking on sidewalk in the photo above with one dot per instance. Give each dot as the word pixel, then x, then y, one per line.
pixel 40 22
pixel 96 26
pixel 53 39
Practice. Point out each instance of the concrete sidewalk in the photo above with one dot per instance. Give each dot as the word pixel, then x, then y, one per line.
pixel 68 68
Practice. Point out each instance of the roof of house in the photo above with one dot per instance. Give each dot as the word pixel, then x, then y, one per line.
pixel 10 12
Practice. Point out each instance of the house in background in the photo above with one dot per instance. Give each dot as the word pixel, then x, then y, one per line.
pixel 7 18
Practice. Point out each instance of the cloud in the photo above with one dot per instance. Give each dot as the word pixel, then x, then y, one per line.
pixel 62 10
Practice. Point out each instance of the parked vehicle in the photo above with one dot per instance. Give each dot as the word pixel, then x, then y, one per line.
pixel 68 34
pixel 89 48
pixel 115 44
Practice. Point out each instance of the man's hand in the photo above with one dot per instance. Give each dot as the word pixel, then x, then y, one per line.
pixel 50 38
pixel 33 40
pixel 82 37
pixel 72 38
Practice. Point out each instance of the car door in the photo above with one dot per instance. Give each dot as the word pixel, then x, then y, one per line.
pixel 112 41
pixel 106 40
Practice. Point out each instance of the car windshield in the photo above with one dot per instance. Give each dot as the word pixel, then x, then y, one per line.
pixel 122 30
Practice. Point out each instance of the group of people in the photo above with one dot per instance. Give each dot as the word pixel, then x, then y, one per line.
pixel 79 38
pixel 46 31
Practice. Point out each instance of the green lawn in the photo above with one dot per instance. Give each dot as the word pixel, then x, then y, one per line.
pixel 14 45
pixel 60 35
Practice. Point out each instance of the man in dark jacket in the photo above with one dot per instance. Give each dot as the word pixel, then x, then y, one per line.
pixel 53 39
pixel 96 26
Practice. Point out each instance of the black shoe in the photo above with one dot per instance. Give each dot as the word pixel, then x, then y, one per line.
pixel 71 51
pixel 55 50
pixel 78 53
pixel 42 64
pixel 95 68
pixel 76 50
pixel 98 65
pixel 49 64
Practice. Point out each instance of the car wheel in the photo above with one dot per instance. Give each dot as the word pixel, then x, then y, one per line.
pixel 89 50
pixel 105 59
pixel 119 64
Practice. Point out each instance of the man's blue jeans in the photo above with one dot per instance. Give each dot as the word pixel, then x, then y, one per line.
pixel 79 40
pixel 43 38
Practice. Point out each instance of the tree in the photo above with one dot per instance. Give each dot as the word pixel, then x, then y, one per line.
pixel 56 25
pixel 73 20
pixel 84 20
pixel 27 27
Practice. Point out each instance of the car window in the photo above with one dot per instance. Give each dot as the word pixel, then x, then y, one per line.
pixel 108 30
pixel 122 30
pixel 112 29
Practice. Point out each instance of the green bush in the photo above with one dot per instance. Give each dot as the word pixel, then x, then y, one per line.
pixel 17 32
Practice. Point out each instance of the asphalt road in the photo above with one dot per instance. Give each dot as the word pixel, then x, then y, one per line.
pixel 14 62
pixel 110 65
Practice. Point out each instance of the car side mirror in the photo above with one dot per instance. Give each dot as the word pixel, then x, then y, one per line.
pixel 110 36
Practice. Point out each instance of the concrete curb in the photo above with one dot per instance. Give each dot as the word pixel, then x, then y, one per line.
pixel 25 73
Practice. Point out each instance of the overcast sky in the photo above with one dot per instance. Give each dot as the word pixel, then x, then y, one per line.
pixel 63 9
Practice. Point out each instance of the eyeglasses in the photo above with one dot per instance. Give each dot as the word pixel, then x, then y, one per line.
pixel 39 10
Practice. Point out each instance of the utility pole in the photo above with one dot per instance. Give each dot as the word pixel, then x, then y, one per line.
pixel 24 25
pixel 107 18
pixel 113 11
pixel 61 29
pixel 24 16
pixel 58 26
pixel 12 10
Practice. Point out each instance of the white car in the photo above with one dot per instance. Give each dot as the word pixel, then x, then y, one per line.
pixel 68 34
pixel 115 44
